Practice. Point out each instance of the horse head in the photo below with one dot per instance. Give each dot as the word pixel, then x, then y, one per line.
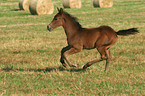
pixel 57 21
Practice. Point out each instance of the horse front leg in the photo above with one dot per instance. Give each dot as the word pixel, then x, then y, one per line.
pixel 62 56
pixel 69 52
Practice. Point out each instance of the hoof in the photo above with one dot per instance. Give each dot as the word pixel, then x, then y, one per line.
pixel 84 67
pixel 106 70
pixel 64 65
pixel 87 65
pixel 74 65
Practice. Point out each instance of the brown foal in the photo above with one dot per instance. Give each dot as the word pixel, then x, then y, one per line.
pixel 79 38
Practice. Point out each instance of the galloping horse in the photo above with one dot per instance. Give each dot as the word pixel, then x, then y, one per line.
pixel 79 38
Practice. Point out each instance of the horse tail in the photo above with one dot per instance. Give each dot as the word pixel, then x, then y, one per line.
pixel 127 32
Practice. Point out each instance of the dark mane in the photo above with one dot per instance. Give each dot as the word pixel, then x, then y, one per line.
pixel 74 18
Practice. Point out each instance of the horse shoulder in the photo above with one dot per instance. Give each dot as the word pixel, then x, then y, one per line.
pixel 75 41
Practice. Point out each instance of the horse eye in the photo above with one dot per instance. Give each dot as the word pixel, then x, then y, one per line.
pixel 55 18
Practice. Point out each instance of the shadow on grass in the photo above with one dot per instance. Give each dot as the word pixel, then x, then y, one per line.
pixel 22 12
pixel 47 69
pixel 7 68
pixel 16 10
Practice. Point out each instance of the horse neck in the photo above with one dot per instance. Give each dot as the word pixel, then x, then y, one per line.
pixel 70 27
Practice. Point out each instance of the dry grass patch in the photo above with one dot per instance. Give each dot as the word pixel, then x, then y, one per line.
pixel 29 54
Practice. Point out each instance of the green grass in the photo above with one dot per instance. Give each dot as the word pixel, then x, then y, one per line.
pixel 29 54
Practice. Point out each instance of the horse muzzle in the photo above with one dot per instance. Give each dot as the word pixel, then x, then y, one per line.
pixel 49 27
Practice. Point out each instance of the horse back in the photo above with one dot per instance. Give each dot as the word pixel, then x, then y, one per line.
pixel 99 36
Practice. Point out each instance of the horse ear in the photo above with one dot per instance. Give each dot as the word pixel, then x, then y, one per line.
pixel 58 9
pixel 61 11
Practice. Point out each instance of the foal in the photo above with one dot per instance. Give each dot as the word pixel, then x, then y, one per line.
pixel 78 38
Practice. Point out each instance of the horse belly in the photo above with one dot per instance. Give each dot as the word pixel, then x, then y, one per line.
pixel 89 38
pixel 89 45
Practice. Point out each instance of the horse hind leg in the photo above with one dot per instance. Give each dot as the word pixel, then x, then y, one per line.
pixel 108 55
pixel 104 56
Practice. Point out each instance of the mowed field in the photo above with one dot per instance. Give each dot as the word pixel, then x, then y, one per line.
pixel 29 54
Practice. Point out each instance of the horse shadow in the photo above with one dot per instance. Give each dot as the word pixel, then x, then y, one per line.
pixel 45 70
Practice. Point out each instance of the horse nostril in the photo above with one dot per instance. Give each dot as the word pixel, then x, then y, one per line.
pixel 48 28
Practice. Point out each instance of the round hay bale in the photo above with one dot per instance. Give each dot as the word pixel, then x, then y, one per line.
pixel 72 3
pixel 103 3
pixel 24 4
pixel 41 7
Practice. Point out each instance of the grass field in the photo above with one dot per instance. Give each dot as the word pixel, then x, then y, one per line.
pixel 29 54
